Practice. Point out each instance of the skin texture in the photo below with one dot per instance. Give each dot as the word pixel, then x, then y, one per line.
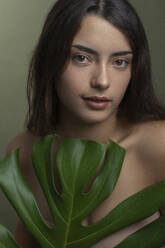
pixel 102 75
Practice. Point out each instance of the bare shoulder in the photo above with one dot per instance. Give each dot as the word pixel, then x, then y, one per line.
pixel 152 137
pixel 25 141
pixel 151 146
pixel 156 128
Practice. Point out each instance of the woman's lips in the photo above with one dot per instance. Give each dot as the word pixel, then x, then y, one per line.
pixel 97 103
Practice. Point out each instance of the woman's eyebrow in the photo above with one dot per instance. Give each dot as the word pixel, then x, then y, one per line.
pixel 86 49
pixel 93 52
pixel 121 53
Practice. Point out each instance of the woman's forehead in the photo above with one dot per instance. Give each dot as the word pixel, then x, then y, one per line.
pixel 100 35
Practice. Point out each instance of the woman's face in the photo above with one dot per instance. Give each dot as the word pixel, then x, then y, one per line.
pixel 97 75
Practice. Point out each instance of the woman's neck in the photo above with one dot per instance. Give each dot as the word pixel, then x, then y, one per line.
pixel 100 132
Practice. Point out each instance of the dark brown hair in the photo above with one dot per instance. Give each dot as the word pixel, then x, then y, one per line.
pixel 53 51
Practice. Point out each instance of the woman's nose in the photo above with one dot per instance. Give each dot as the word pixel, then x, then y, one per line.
pixel 100 78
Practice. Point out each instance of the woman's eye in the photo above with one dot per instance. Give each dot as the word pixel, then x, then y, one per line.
pixel 121 63
pixel 82 59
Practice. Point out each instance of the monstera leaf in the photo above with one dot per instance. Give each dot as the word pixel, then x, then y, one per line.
pixel 150 236
pixel 77 160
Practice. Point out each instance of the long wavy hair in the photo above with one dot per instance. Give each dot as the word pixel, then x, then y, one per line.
pixel 53 52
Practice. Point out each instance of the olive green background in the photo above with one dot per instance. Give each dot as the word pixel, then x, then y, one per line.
pixel 20 26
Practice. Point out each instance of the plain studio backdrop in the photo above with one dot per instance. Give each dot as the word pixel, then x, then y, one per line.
pixel 20 25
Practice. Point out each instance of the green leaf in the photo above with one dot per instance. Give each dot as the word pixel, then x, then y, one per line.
pixel 77 160
pixel 7 239
pixel 150 236
pixel 76 166
pixel 17 191
pixel 135 208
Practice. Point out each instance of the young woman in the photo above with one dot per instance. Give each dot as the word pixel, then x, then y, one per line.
pixel 90 77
